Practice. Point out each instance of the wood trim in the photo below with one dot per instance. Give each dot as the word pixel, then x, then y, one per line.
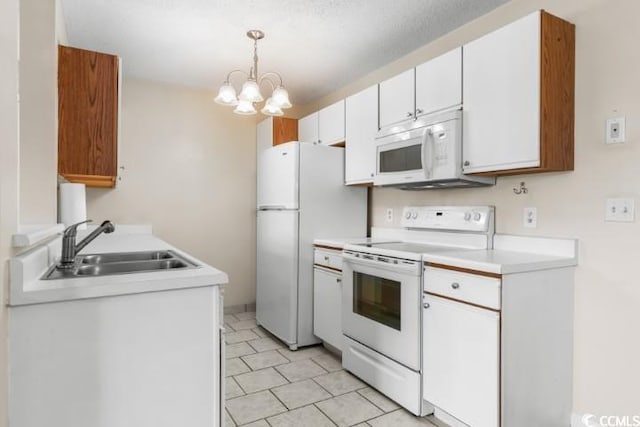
pixel 333 248
pixel 464 270
pixel 338 144
pixel 96 181
pixel 284 130
pixel 557 93
pixel 328 268
pixel 463 302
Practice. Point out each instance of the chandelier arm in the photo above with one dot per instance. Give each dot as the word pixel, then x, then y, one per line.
pixel 263 79
pixel 235 71
pixel 269 73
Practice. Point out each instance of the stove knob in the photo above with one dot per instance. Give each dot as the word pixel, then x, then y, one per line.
pixel 414 215
pixel 467 216
pixel 407 215
pixel 477 216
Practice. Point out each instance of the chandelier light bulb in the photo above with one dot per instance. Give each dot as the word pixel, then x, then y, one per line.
pixel 250 92
pixel 271 109
pixel 245 108
pixel 281 97
pixel 226 95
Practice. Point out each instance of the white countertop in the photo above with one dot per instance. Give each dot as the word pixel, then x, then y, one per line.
pixel 340 243
pixel 27 269
pixel 510 253
pixel 498 261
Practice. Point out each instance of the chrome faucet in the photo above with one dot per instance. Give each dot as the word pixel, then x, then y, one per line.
pixel 69 247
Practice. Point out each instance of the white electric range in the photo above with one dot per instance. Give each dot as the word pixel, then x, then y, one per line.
pixel 382 288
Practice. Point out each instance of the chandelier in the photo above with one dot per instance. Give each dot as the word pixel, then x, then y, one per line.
pixel 250 93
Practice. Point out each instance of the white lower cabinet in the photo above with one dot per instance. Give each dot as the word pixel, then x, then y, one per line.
pixel 461 360
pixel 327 306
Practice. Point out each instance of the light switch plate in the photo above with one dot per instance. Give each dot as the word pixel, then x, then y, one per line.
pixel 620 210
pixel 615 130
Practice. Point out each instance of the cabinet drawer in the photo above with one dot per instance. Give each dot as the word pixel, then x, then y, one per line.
pixel 471 288
pixel 328 258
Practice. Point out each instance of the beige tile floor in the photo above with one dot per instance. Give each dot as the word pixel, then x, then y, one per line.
pixel 267 385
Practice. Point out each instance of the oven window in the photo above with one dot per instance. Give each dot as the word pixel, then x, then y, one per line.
pixel 377 299
pixel 401 159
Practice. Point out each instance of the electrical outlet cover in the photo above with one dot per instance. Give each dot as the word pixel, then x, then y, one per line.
pixel 530 217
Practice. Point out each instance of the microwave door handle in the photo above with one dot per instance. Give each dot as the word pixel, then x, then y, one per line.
pixel 427 155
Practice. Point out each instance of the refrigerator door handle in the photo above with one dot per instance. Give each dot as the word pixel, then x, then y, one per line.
pixel 272 208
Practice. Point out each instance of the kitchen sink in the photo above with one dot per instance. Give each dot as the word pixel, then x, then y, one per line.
pixel 96 265
pixel 125 257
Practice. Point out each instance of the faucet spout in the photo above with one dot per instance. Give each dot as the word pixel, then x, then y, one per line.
pixel 69 246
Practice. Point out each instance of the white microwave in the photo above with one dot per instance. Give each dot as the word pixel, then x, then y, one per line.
pixel 424 154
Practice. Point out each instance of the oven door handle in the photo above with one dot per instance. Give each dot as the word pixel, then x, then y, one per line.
pixel 403 266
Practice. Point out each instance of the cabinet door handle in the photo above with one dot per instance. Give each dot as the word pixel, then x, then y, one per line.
pixel 455 285
pixel 339 280
pixel 466 163
pixel 319 141
pixel 326 258
pixel 419 111
pixel 426 305
pixel 409 114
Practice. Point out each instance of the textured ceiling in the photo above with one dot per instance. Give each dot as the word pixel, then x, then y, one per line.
pixel 317 45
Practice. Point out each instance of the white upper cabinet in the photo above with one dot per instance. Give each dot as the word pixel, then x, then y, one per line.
pixel 502 98
pixel 323 127
pixel 361 129
pixel 518 84
pixel 397 98
pixel 331 124
pixel 439 83
pixel 308 128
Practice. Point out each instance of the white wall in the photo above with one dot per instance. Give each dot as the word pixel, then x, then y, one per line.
pixel 190 172
pixel 38 112
pixel 607 324
pixel 8 171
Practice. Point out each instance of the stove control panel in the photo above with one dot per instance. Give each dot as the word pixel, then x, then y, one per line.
pixel 455 218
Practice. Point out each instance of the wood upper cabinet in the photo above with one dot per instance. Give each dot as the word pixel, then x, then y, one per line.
pixel 88 103
pixel 518 109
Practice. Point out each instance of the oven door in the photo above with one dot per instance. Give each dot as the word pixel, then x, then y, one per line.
pixel 404 158
pixel 381 306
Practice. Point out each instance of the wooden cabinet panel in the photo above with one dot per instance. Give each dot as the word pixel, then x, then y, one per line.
pixel 87 116
pixel 284 130
pixel 519 98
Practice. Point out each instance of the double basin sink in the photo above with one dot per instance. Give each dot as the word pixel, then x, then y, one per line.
pixel 121 263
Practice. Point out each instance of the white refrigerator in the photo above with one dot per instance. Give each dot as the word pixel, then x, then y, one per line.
pixel 301 197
